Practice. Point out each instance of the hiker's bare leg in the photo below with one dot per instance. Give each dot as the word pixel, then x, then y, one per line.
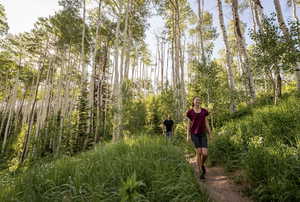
pixel 199 157
pixel 204 155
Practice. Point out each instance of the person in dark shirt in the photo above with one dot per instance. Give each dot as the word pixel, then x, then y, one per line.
pixel 169 123
pixel 198 129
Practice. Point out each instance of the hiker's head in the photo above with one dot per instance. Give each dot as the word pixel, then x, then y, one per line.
pixel 196 101
pixel 169 116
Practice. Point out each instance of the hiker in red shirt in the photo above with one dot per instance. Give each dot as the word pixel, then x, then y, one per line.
pixel 198 130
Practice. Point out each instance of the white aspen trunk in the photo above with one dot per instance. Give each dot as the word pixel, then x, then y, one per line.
pixel 59 100
pixel 127 63
pixel 173 65
pixel 30 121
pixel 93 76
pixel 294 10
pixel 167 68
pixel 41 111
pixel 258 13
pixel 116 86
pixel 162 63
pixel 64 102
pixel 48 99
pixel 134 63
pixel 10 108
pixel 133 68
pixel 4 115
pixel 252 8
pixel 156 64
pixel 183 93
pixel 158 59
pixel 297 68
pixel 141 69
pixel 229 60
pixel 122 65
pixel 280 18
pixel 200 15
pixel 242 48
pixel 83 69
pixel 33 106
pixel 284 29
pixel 176 38
pixel 8 123
pixel 136 69
pixel 177 53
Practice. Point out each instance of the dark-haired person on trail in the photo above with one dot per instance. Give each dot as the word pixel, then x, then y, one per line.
pixel 169 125
pixel 198 129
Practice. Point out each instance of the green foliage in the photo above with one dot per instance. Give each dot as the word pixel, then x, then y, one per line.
pixel 67 26
pixel 210 84
pixel 153 118
pixel 131 188
pixel 158 108
pixel 83 116
pixel 3 21
pixel 142 169
pixel 273 51
pixel 134 109
pixel 265 143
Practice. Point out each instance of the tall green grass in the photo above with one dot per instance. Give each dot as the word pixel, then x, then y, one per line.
pixel 266 145
pixel 142 169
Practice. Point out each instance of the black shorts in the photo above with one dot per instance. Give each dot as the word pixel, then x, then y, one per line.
pixel 199 140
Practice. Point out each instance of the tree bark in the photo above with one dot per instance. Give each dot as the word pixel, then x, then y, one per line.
pixel 294 10
pixel 93 76
pixel 200 15
pixel 242 48
pixel 280 18
pixel 229 60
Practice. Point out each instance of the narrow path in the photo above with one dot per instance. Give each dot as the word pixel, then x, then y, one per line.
pixel 219 186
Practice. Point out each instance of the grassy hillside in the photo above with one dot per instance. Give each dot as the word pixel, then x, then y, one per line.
pixel 265 143
pixel 143 169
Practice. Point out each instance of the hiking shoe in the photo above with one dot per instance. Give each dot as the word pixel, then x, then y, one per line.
pixel 203 170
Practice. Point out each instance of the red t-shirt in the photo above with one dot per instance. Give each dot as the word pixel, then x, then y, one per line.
pixel 197 121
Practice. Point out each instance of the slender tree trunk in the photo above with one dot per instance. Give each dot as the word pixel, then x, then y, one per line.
pixel 285 31
pixel 31 117
pixel 258 12
pixel 242 48
pixel 162 59
pixel 200 15
pixel 83 69
pixel 173 64
pixel 8 124
pixel 5 112
pixel 229 60
pixel 93 76
pixel 117 117
pixel 252 8
pixel 167 68
pixel 280 18
pixel 294 10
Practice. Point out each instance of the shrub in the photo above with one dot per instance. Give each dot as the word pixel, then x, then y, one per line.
pixel 266 145
pixel 140 169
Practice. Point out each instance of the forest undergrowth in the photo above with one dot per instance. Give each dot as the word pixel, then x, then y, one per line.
pixel 264 142
pixel 140 169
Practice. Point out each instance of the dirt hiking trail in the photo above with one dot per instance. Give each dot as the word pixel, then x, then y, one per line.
pixel 219 186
